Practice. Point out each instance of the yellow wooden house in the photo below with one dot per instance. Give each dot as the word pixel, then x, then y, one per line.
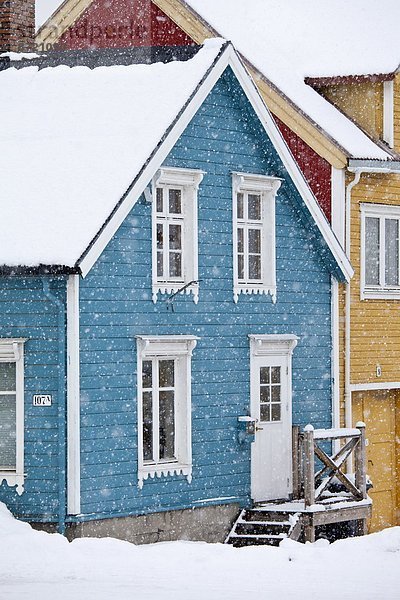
pixel 336 99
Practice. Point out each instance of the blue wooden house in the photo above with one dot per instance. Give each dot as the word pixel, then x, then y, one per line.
pixel 165 298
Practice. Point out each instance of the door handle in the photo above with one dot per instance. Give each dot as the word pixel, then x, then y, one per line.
pixel 259 428
pixel 370 461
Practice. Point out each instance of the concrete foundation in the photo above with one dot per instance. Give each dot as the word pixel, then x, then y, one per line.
pixel 207 524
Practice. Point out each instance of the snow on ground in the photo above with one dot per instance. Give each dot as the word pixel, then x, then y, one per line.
pixel 38 565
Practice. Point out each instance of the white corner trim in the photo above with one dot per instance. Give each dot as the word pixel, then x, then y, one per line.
pixel 335 354
pixel 364 387
pixel 231 59
pixel 12 350
pixel 272 344
pixel 388 112
pixel 338 203
pixel 73 398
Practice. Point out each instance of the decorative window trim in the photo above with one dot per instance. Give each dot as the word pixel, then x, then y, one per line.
pixel 180 346
pixel 268 188
pixel 188 181
pixel 370 292
pixel 12 350
pixel 272 344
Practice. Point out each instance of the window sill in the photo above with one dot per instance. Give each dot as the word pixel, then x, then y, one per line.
pixel 164 470
pixel 13 479
pixel 173 288
pixel 383 294
pixel 252 288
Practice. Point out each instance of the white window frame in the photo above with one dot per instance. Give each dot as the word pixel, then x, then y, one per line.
pixel 267 187
pixel 188 181
pixel 12 350
pixel 180 349
pixel 381 291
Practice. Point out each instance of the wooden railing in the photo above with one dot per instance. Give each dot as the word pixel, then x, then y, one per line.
pixel 313 485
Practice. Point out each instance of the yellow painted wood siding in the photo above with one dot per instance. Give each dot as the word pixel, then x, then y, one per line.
pixel 375 324
pixel 362 102
pixel 397 112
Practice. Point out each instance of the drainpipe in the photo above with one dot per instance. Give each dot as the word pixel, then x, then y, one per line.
pixel 62 459
pixel 347 334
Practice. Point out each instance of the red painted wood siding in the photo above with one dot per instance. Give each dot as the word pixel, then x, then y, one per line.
pixel 127 23
pixel 120 24
pixel 316 169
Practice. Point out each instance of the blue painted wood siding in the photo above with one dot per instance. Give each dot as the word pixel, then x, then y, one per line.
pixel 25 312
pixel 116 305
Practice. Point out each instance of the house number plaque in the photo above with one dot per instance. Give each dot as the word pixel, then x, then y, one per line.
pixel 42 400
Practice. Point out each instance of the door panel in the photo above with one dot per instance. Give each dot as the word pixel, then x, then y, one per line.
pixel 378 411
pixel 271 407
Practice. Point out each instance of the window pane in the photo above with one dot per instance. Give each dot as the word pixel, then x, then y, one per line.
pixel 254 241
pixel 175 264
pixel 8 417
pixel 7 377
pixel 160 264
pixel 160 202
pixel 265 412
pixel 254 267
pixel 240 266
pixel 391 252
pixel 160 236
pixel 175 202
pixel 276 393
pixel 264 374
pixel 175 237
pixel 372 251
pixel 275 412
pixel 240 233
pixel 167 425
pixel 166 373
pixel 147 426
pixel 240 213
pixel 254 207
pixel 147 370
pixel 276 374
pixel 265 393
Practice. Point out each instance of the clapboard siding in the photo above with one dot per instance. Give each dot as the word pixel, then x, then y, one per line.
pixel 25 312
pixel 116 305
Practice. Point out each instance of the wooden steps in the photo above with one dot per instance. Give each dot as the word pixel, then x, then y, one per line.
pixel 264 527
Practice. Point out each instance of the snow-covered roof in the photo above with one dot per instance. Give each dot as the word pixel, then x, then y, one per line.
pixel 81 146
pixel 293 39
pixel 72 142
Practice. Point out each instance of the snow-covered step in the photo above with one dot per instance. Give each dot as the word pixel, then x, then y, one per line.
pixel 255 527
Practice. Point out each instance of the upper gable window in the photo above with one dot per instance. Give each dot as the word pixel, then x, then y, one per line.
pixel 254 234
pixel 12 412
pixel 380 273
pixel 175 247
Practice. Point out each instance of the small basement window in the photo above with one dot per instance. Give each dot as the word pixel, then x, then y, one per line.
pixel 254 234
pixel 164 406
pixel 380 251
pixel 12 412
pixel 175 246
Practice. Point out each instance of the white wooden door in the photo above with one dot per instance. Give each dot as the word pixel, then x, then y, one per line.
pixel 271 454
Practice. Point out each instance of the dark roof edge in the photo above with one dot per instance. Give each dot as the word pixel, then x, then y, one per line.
pixel 343 79
pixel 17 271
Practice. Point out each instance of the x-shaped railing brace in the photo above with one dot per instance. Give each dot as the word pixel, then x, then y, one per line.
pixel 333 468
